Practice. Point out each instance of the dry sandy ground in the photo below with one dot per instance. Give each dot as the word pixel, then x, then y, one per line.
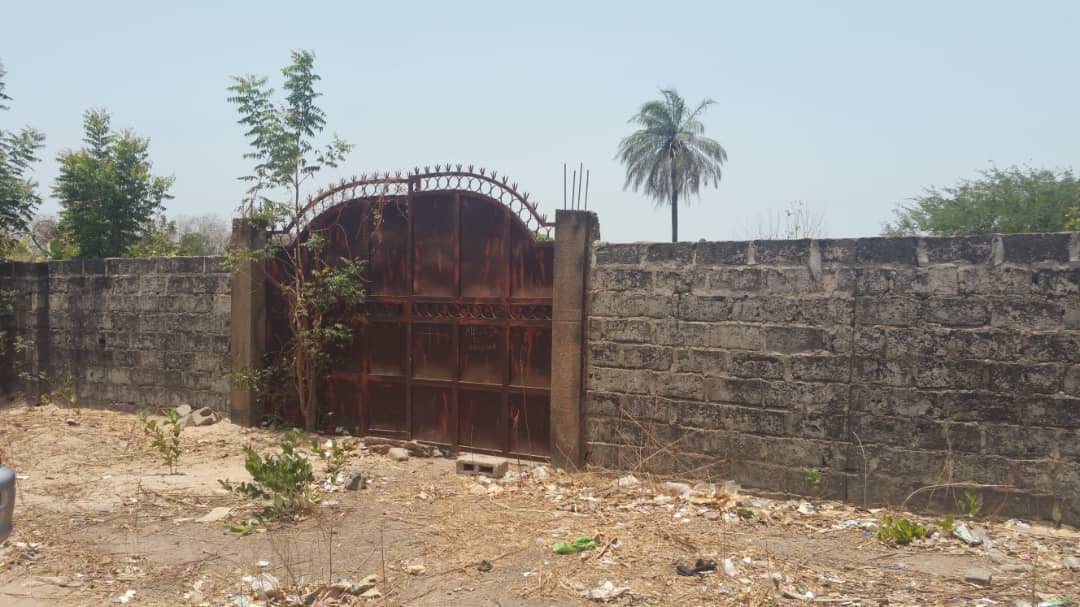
pixel 97 515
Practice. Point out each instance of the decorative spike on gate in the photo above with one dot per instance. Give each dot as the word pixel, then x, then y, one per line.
pixel 482 170
pixel 417 170
pixel 525 195
pixel 459 168
pixel 493 174
pixel 397 174
pixel 505 178
pixel 513 186
pixel 427 169
pixel 438 168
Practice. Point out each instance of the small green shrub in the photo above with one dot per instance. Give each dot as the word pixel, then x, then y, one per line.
pixel 899 531
pixel 279 480
pixel 947 523
pixel 812 477
pixel 335 453
pixel 166 437
pixel 970 505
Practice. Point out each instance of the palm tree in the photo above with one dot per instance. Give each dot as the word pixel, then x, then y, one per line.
pixel 669 156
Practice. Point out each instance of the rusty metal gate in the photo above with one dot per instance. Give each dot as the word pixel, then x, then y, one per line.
pixel 454 343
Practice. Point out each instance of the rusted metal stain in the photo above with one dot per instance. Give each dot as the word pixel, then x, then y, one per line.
pixel 454 343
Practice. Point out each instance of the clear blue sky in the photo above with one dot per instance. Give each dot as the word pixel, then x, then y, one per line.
pixel 850 106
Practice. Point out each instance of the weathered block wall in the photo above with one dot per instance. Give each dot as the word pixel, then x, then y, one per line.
pixel 133 333
pixel 916 361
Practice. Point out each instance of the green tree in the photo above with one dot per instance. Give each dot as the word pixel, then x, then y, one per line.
pixel 18 192
pixel 108 195
pixel 282 136
pixel 202 235
pixel 669 157
pixel 1072 219
pixel 158 239
pixel 1015 199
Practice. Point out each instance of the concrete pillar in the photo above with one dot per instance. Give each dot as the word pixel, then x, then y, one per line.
pixel 574 234
pixel 247 320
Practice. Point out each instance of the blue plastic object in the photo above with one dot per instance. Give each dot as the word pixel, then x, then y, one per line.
pixel 7 501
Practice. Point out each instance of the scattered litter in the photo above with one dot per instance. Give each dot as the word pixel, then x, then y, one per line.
pixel 584 542
pixel 806 507
pixel 676 489
pixel 125 598
pixel 71 421
pixel 1071 563
pixel 62 581
pixel 484 565
pixel 700 566
pixel 628 481
pixel 262 564
pixel 414 567
pixel 605 592
pixel 215 515
pixel 397 454
pixel 729 568
pixel 961 531
pixel 265 585
pixel 793 593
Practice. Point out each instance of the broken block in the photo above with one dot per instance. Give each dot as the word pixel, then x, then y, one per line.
pixel 484 465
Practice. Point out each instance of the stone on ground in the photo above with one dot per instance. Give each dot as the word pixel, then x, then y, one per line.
pixel 203 417
pixel 398 454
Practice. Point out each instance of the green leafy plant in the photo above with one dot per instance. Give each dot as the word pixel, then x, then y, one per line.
pixel 947 523
pixel 745 513
pixel 970 505
pixel 320 292
pixel 334 453
pixel 812 478
pixel 166 437
pixel 107 194
pixel 1072 219
pixel 279 480
pixel 899 531
pixel 32 380
pixel 18 190
pixel 68 391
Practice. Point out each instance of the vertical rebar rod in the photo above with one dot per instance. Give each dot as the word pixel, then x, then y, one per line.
pixel 581 177
pixel 573 186
pixel 564 186
pixel 587 189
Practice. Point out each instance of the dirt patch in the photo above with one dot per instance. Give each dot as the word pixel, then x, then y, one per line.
pixel 97 516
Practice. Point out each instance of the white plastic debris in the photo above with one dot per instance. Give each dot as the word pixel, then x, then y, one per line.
pixel 605 592
pixel 264 583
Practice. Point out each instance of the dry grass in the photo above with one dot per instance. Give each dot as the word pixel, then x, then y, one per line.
pixel 98 504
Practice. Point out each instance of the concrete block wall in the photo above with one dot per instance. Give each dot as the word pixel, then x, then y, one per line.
pixel 130 333
pixel 888 364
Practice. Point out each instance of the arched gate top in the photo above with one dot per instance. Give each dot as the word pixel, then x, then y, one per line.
pixel 442 178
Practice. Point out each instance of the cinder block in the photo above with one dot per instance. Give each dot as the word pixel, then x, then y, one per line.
pixel 484 465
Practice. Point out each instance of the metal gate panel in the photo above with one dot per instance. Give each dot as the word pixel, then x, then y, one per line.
pixel 453 346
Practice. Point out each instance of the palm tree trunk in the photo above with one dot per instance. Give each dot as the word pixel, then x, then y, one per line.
pixel 674 205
